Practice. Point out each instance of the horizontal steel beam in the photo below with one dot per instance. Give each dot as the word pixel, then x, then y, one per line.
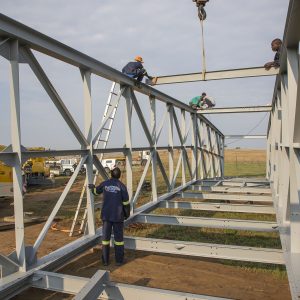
pixel 241 253
pixel 236 183
pixel 235 110
pixel 73 284
pixel 230 190
pixel 215 196
pixel 246 137
pixel 49 46
pixel 218 223
pixel 216 75
pixel 226 207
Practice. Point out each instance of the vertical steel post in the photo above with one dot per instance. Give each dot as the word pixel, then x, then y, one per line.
pixel 183 157
pixel 154 150
pixel 16 147
pixel 86 79
pixel 194 147
pixel 171 141
pixel 293 79
pixel 128 143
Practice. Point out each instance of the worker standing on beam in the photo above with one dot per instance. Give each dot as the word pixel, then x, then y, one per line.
pixel 135 69
pixel 115 208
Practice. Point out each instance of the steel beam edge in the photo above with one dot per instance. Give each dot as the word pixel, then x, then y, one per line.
pixel 72 284
pixel 236 110
pixel 217 251
pixel 202 222
pixel 228 197
pixel 225 207
pixel 216 75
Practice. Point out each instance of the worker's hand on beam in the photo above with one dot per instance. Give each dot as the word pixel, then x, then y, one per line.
pixel 91 186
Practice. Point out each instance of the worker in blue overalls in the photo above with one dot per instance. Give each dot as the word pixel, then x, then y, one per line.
pixel 115 208
pixel 135 69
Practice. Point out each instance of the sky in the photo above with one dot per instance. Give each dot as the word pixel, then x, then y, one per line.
pixel 167 35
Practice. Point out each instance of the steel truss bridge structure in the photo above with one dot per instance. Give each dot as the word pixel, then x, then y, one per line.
pixel 203 161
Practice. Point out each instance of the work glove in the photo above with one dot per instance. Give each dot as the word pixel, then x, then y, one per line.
pixel 91 186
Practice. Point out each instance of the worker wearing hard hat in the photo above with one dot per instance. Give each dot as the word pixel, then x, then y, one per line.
pixel 135 69
pixel 115 208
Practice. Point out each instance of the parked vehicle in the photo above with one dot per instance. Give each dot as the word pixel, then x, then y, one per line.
pixel 144 156
pixel 67 166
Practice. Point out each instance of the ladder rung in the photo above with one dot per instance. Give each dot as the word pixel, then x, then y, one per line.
pixel 103 141
pixel 114 93
pixel 111 118
pixel 106 129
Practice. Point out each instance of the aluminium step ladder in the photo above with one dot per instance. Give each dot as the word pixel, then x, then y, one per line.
pixel 102 138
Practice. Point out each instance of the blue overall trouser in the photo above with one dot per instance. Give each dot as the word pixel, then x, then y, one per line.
pixel 139 76
pixel 118 241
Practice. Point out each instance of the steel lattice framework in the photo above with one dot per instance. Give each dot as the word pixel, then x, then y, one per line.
pixel 203 161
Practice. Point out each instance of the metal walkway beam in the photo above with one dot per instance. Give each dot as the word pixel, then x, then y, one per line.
pixel 210 196
pixel 73 284
pixel 246 137
pixel 216 75
pixel 230 190
pixel 234 110
pixel 217 223
pixel 226 207
pixel 241 253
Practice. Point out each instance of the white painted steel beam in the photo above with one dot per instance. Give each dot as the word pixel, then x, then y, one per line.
pixel 93 287
pixel 218 223
pixel 226 207
pixel 245 137
pixel 15 126
pixel 230 190
pixel 214 196
pixel 72 284
pixel 216 75
pixel 218 251
pixel 234 110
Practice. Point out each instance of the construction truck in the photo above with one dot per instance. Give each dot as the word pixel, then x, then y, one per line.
pixel 144 156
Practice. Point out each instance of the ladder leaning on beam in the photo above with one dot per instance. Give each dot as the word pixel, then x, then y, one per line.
pixel 101 142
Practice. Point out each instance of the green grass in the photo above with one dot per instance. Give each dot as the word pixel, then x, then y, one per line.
pixel 245 169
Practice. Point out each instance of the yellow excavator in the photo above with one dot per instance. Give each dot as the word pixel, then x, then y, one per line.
pixel 35 172
pixel 6 187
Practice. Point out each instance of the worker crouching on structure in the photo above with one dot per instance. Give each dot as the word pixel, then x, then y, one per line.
pixel 202 102
pixel 276 47
pixel 135 69
pixel 115 208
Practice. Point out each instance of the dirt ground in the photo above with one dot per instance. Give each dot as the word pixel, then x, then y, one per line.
pixel 193 275
pixel 199 276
